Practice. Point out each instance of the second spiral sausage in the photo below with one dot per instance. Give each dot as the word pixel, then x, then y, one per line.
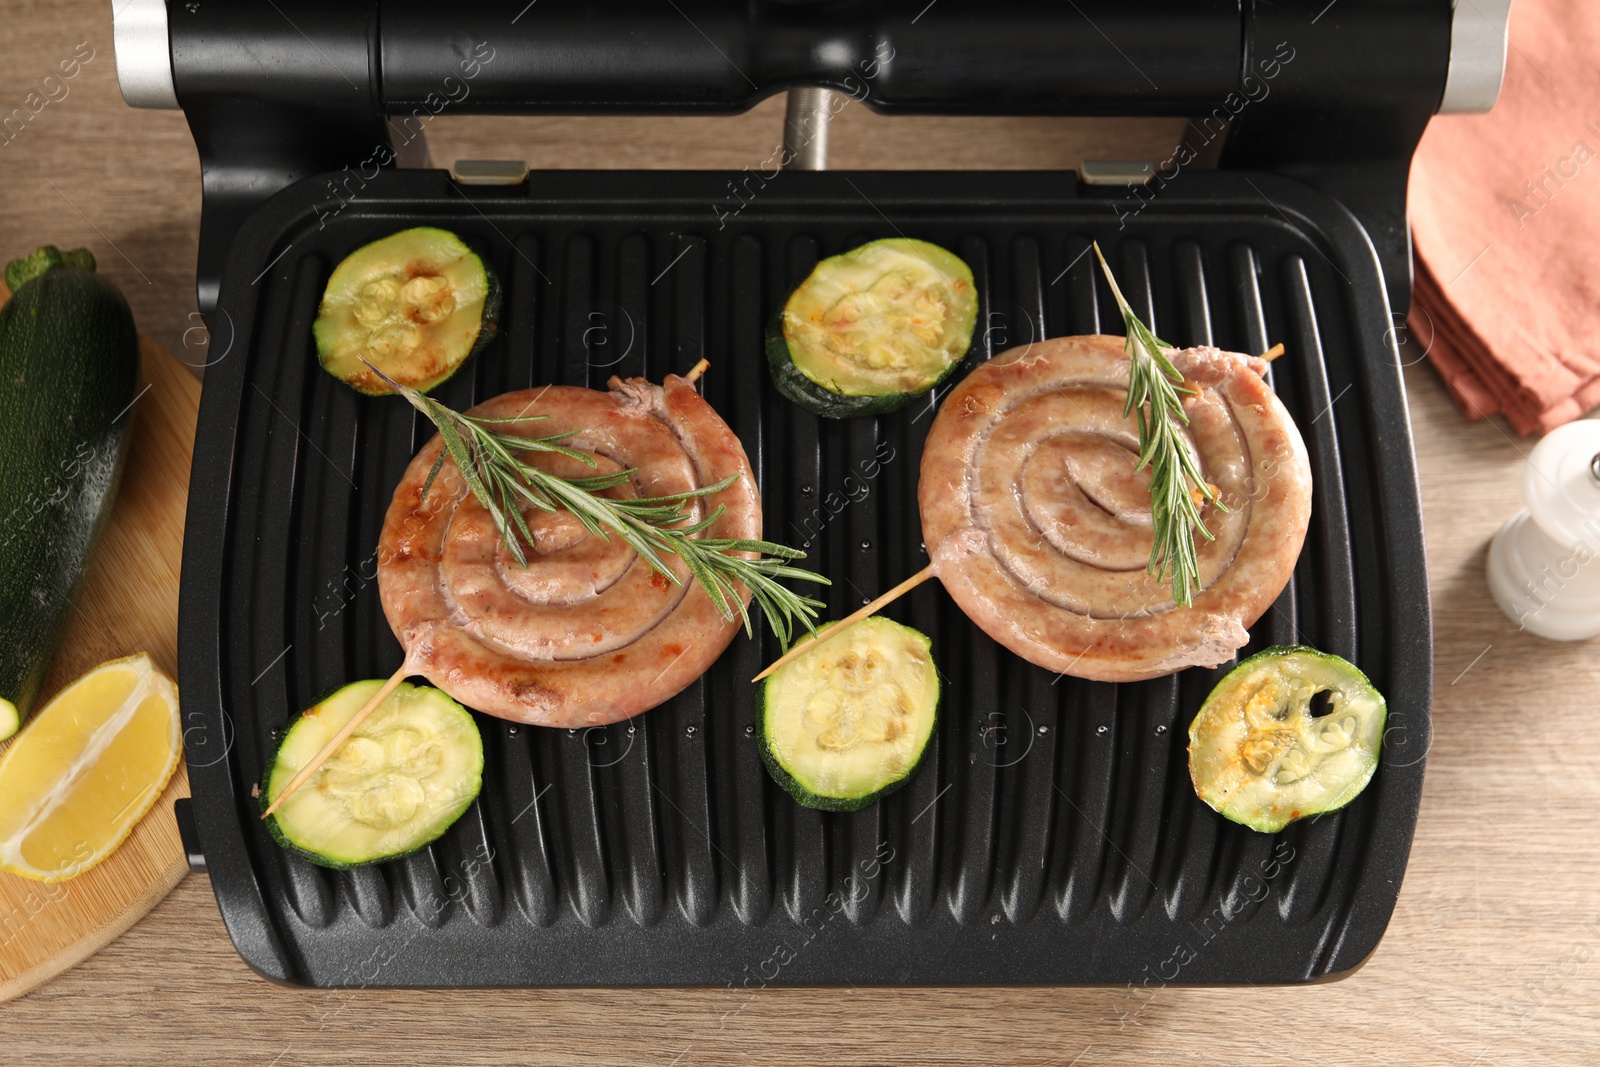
pixel 1039 526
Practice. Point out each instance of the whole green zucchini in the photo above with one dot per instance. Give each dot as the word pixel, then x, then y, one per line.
pixel 69 358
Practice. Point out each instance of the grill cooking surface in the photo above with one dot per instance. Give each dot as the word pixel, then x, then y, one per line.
pixel 1052 834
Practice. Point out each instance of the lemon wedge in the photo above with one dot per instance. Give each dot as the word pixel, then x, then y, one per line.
pixel 85 770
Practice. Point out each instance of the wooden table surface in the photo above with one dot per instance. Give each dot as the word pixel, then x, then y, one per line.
pixel 1493 956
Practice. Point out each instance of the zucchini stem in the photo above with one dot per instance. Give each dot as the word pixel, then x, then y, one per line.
pixel 20 272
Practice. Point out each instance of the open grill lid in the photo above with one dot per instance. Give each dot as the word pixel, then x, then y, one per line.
pixel 1336 94
pixel 1053 835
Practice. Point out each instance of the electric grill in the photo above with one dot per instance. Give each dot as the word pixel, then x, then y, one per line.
pixel 1052 835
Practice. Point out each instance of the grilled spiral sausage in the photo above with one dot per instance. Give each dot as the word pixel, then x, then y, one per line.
pixel 1039 527
pixel 588 633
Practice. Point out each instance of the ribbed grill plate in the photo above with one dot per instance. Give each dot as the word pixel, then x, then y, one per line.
pixel 1052 835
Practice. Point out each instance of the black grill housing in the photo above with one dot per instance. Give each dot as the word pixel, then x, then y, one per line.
pixel 1052 836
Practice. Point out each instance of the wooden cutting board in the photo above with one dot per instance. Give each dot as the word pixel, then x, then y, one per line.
pixel 129 603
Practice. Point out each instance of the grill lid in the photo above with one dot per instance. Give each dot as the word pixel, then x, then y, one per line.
pixel 1334 94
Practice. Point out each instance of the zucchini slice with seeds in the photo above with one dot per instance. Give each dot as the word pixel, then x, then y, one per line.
pixel 873 328
pixel 1289 732
pixel 417 304
pixel 399 782
pixel 848 723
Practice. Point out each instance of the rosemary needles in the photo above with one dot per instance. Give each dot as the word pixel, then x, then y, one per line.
pixel 489 460
pixel 1155 396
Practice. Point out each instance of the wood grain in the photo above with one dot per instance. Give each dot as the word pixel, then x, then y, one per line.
pixel 1493 957
pixel 129 604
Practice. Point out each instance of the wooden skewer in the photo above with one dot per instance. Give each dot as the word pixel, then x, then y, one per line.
pixel 1273 353
pixel 697 370
pixel 851 619
pixel 339 738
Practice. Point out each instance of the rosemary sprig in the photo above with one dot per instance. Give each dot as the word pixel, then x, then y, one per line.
pixel 654 527
pixel 1155 393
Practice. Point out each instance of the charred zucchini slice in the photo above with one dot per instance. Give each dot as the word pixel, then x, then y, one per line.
pixel 1289 732
pixel 848 722
pixel 396 784
pixel 417 304
pixel 873 328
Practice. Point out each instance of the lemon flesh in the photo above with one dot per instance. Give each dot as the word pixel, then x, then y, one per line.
pixel 87 768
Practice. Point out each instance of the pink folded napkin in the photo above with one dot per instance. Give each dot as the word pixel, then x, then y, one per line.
pixel 1505 212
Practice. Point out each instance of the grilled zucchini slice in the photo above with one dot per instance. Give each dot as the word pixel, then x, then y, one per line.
pixel 873 328
pixel 396 784
pixel 1289 732
pixel 849 721
pixel 416 304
